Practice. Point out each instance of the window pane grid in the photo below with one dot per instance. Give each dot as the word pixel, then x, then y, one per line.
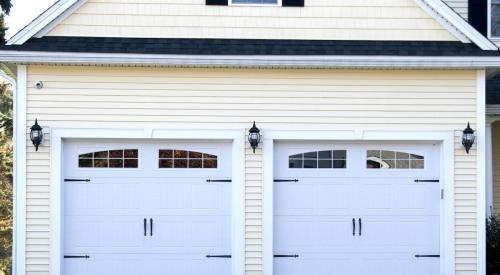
pixel 328 159
pixel 124 158
pixel 169 158
pixel 382 159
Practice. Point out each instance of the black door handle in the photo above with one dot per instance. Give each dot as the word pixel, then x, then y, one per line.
pixel 145 226
pixel 286 256
pixel 360 226
pixel 151 227
pixel 354 227
pixel 218 256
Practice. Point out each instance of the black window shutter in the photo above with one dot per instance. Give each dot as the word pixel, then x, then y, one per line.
pixel 292 3
pixel 217 2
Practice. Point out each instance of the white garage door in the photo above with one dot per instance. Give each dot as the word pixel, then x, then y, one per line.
pixel 355 209
pixel 147 208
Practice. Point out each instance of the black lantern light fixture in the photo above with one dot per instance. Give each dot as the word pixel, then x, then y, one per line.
pixel 254 137
pixel 36 134
pixel 468 138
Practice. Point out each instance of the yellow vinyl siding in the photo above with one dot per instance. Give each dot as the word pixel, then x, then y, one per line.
pixel 112 97
pixel 496 167
pixel 319 20
pixel 459 6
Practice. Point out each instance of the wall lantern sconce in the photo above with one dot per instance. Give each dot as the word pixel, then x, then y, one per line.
pixel 468 138
pixel 254 137
pixel 36 135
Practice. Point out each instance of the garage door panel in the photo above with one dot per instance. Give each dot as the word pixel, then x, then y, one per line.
pixel 168 196
pixel 399 233
pixel 127 233
pixel 288 199
pixel 292 233
pixel 395 217
pixel 419 197
pixel 210 196
pixel 334 198
pixel 88 233
pixel 125 196
pixel 320 264
pixel 77 266
pixel 187 217
pixel 84 196
pixel 376 197
pixel 313 234
pixel 208 234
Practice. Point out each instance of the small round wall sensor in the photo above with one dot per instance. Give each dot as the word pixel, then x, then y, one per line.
pixel 39 85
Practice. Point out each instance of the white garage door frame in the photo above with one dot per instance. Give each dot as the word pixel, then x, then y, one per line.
pixel 238 181
pixel 446 141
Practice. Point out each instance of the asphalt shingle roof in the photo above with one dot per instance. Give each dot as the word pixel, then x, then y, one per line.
pixel 248 47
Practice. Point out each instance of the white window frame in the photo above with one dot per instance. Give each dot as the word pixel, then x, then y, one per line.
pixel 238 181
pixel 278 4
pixel 447 211
pixel 489 25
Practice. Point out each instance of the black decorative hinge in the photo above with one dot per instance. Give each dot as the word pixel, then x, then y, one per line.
pixel 286 256
pixel 218 256
pixel 74 180
pixel 427 256
pixel 426 180
pixel 284 180
pixel 76 257
pixel 209 180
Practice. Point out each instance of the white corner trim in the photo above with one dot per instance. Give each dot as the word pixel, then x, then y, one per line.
pixel 481 170
pixel 446 138
pixel 268 206
pixel 238 181
pixel 240 61
pixel 489 168
pixel 19 232
pixel 459 23
pixel 42 21
pixel 238 204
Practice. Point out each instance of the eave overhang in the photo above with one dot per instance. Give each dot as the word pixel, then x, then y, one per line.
pixel 263 61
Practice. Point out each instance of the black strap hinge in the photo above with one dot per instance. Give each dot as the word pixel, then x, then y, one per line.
pixel 426 180
pixel 285 180
pixel 76 257
pixel 218 256
pixel 74 180
pixel 286 256
pixel 210 180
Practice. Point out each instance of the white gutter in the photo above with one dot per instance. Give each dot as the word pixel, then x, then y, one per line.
pixel 454 62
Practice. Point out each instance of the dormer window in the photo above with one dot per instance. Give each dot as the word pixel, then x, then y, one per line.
pixel 495 19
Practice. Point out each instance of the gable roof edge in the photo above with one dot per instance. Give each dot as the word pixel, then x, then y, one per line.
pixel 54 14
pixel 44 20
pixel 453 20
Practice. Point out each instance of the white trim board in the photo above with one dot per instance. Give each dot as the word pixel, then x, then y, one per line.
pixel 447 181
pixel 453 20
pixel 481 170
pixel 455 24
pixel 238 181
pixel 19 174
pixel 264 61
